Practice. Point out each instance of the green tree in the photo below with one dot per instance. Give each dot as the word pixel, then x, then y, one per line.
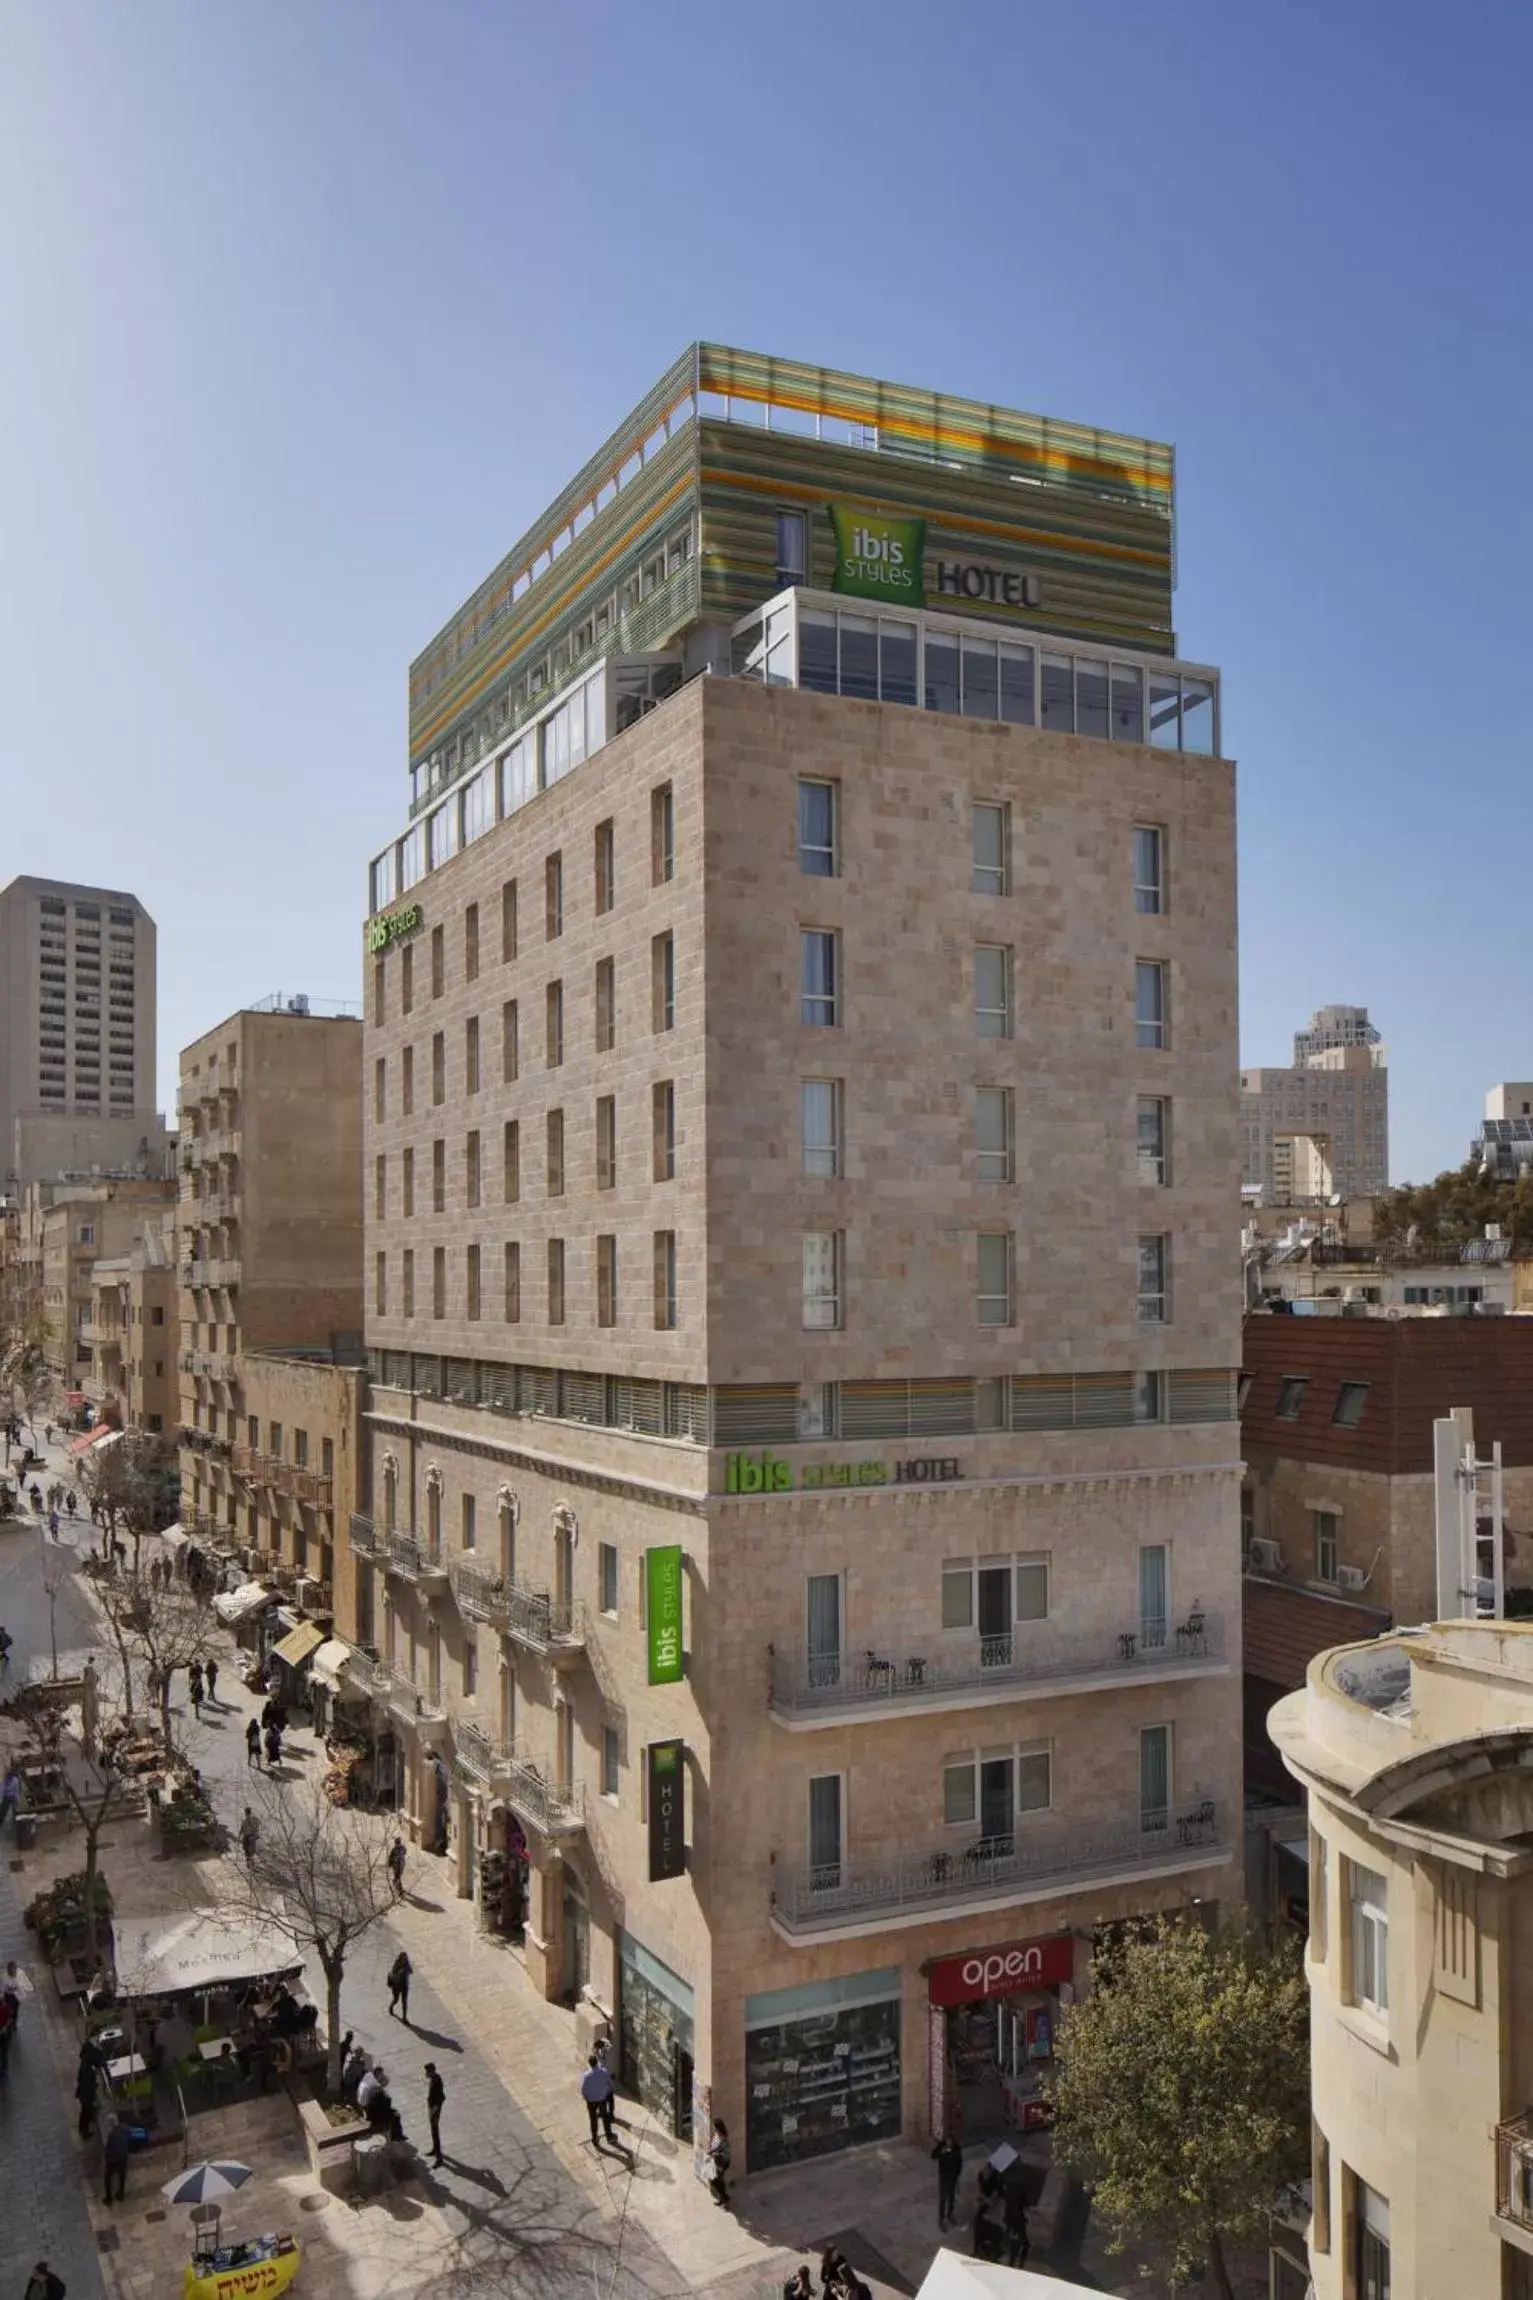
pixel 1181 2091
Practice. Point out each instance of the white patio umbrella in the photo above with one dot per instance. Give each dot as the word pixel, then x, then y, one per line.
pixel 200 2183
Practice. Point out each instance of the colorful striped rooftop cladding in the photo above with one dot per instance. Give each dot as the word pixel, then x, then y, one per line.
pixel 673 521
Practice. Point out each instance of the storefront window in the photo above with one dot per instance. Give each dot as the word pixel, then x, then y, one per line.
pixel 656 2034
pixel 822 2067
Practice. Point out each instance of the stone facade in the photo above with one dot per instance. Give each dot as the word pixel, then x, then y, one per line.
pixel 298 1462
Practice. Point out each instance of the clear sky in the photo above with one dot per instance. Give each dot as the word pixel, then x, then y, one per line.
pixel 309 305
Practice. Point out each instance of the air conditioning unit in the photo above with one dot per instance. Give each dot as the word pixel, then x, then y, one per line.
pixel 1266 1557
pixel 1351 1577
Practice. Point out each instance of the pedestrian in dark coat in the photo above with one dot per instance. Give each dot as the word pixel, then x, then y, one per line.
pixel 194 1684
pixel 399 1986
pixel 252 1743
pixel 273 1746
pixel 949 2159
pixel 1014 2213
pixel 86 2089
pixel 212 1679
pixel 436 2097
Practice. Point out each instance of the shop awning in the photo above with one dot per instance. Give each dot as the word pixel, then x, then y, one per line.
pixel 299 1643
pixel 328 1662
pixel 173 1536
pixel 209 1948
pixel 953 2277
pixel 238 1604
pixel 95 1438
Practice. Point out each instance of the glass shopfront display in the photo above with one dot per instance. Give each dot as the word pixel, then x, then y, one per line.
pixel 503 1877
pixel 994 2019
pixel 822 2067
pixel 655 2036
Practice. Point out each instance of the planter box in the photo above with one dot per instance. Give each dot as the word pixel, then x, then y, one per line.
pixel 329 2145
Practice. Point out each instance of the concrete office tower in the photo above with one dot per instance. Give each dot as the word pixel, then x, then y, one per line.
pixel 77 1035
pixel 1320 1128
pixel 802 1312
pixel 271 1220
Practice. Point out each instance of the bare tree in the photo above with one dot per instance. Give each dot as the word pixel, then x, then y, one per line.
pixel 25 1329
pixel 125 1483
pixel 83 1770
pixel 320 1875
pixel 166 1626
pixel 56 1574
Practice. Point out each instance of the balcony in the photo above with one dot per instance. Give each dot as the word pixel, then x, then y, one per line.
pixel 478 1761
pixel 413 1560
pixel 313 1488
pixel 554 1808
pixel 813 1692
pixel 480 1595
pixel 219 1270
pixel 1041 1859
pixel 411 1703
pixel 194 1271
pixel 544 1625
pixel 365 1538
pixel 1514 2172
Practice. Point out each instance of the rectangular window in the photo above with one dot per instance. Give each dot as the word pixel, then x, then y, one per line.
pixel 1351 1398
pixel 407 978
pixel 470 1670
pixel 662 830
pixel 380 1187
pixel 1150 1018
pixel 471 943
pixel 1154 1779
pixel 1319 1913
pixel 553 1169
pixel 960 1805
pixel 1153 1257
pixel 556 1281
pixel 663 981
pixel 1149 870
pixel 663 1129
pixel 439 1177
pixel 1035 1780
pixel 466 1526
pixel 510 1044
pixel 471 1055
pixel 381 1284
pixel 819 977
pixel 554 1024
pixel 380 1088
pixel 473 1176
pixel 825 1825
pixel 438 1069
pixel 1327 1528
pixel 606 1280
pixel 992 850
pixel 380 992
pixel 553 897
pixel 823 1258
pixel 792 549
pixel 407 1183
pixel 606 1005
pixel 992 990
pixel 993 1283
pixel 606 1142
pixel 438 962
pixel 993 1133
pixel 439 1281
pixel 471 1279
pixel 817 829
pixel 1368 1914
pixel 511 1159
pixel 1154 1139
pixel 604 870
pixel 665 1280
pixel 1290 1396
pixel 508 920
pixel 407 1282
pixel 1149 1398
pixel 820 1127
pixel 513 1282
pixel 607 1577
pixel 611 1762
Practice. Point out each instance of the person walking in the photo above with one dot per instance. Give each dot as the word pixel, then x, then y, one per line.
pixel 15 1984
pixel 719 2160
pixel 399 1986
pixel 949 2161
pixel 273 1747
pixel 253 1743
pixel 436 2097
pixel 118 2145
pixel 800 2285
pixel 10 1794
pixel 194 1686
pixel 1014 2215
pixel 42 2284
pixel 212 1677
pixel 87 2085
pixel 250 1837
pixel 596 2091
pixel 71 1501
pixel 53 1525
pixel 397 1867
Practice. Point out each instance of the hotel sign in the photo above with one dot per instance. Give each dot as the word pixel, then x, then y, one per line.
pixel 394 926
pixel 878 557
pixel 667 1810
pixel 766 1473
pixel 662 1613
pixel 993 586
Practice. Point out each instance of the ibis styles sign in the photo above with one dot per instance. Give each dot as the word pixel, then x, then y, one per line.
pixel 662 1613
pixel 394 926
pixel 878 557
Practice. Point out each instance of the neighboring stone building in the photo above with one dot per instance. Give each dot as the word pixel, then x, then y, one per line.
pixel 802 1306
pixel 271 1222
pixel 66 1228
pixel 1320 1128
pixel 132 1331
pixel 1331 1271
pixel 1416 1753
pixel 297 1462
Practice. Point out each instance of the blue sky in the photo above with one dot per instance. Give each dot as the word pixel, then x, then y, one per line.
pixel 309 307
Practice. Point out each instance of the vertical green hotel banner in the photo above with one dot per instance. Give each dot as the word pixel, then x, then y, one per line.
pixel 878 557
pixel 662 1577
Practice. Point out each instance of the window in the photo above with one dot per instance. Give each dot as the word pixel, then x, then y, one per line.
pixel 1327 1528
pixel 663 1127
pixel 407 978
pixel 381 1284
pixel 606 1281
pixel 471 943
pixel 553 897
pixel 556 1281
pixel 993 1133
pixel 819 972
pixel 513 1282
pixel 662 831
pixel 792 549
pixel 606 1005
pixel 380 992
pixel 606 1143
pixel 1149 870
pixel 471 1055
pixel 380 1187
pixel 992 1403
pixel 817 828
pixel 438 1069
pixel 825 1822
pixel 407 1282
pixel 1351 1398
pixel 470 1670
pixel 992 850
pixel 553 1169
pixel 380 1088
pixel 1149 1398
pixel 1149 1003
pixel 508 920
pixel 1247 1521
pixel 471 1280
pixel 1152 1280
pixel 554 1024
pixel 1154 1778
pixel 606 1577
pixel 1368 1914
pixel 665 1280
pixel 992 990
pixel 1290 1396
pixel 610 1762
pixel 439 1177
pixel 407 1183
pixel 1371 2272
pixel 663 981
pixel 994 1786
pixel 823 1254
pixel 438 961
pixel 510 1044
pixel 605 867
pixel 820 1127
pixel 1319 1913
pixel 473 1174
pixel 1154 1134
pixel 993 1292
pixel 439 1281
pixel 511 1160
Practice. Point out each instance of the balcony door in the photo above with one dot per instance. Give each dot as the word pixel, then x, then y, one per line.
pixel 997 1802
pixel 1154 1596
pixel 1154 1778
pixel 996 1615
pixel 823 1622
pixel 826 1844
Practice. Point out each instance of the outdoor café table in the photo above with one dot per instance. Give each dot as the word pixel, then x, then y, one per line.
pixel 119 2071
pixel 212 2047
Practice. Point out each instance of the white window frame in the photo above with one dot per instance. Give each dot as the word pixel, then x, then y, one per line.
pixel 605 1551
pixel 611 1746
pixel 1368 1941
pixel 836 1297
pixel 1154 1163
pixel 984 1299
pixel 1153 1031
pixel 1150 894
pixel 993 1165
pixel 1326 1541
pixel 830 1018
pixel 996 875
pixel 1154 1302
pixel 828 1153
pixel 833 851
pixel 985 1014
pixel 1017 1754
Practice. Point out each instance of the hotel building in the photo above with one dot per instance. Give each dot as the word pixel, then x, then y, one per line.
pixel 801 1560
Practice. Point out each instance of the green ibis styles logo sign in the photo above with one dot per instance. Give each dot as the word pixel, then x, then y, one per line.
pixel 394 925
pixel 662 1609
pixel 878 557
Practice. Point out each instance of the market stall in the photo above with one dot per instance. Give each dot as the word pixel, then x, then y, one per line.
pixel 244 1610
pixel 290 1659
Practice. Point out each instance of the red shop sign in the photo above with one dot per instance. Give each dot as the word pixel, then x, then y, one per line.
pixel 996 1972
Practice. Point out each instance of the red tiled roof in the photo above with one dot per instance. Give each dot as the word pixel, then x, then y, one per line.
pixel 1286 1627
